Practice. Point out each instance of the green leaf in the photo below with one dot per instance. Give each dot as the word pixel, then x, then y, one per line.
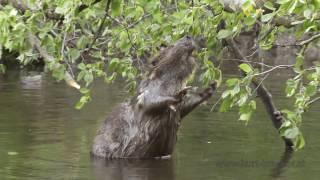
pixel 88 78
pixel 226 105
pixel 307 13
pixel 110 79
pixel 231 82
pixel 299 143
pixel 291 133
pixel 188 20
pixel 82 42
pixel 82 66
pixel 245 117
pixel 235 90
pixel 84 91
pixel 299 62
pixel 291 87
pixel 245 67
pixel 58 72
pixel 267 17
pixel 83 100
pixel 74 54
pixel 283 1
pixel 114 63
pixel 243 99
pixel 311 90
pixel 292 6
pixel 269 5
pixel 116 7
pixel 250 20
pixel 224 33
pixel 139 12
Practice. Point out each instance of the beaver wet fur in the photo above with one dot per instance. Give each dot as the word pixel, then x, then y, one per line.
pixel 146 126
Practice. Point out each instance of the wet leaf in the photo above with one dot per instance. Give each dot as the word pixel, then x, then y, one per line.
pixel 245 67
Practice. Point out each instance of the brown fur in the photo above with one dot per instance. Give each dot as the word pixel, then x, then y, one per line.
pixel 147 125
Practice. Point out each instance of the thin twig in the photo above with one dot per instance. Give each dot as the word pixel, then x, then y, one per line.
pixel 63 43
pixel 301 43
pixel 253 53
pixel 62 54
pixel 101 25
pixel 137 22
pixel 274 68
pixel 215 104
pixel 251 62
pixel 312 101
pixel 264 78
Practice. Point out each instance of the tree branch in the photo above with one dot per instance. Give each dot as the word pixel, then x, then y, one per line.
pixel 302 42
pixel 35 42
pixel 97 34
pixel 264 94
pixel 307 41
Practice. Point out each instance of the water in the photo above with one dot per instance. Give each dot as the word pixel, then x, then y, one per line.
pixel 43 137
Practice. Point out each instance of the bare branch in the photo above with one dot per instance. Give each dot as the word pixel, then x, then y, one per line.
pixel 301 43
pixel 251 62
pixel 307 41
pixel 274 68
pixel 261 81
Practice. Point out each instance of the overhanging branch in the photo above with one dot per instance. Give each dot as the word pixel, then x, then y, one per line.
pixel 35 42
pixel 264 94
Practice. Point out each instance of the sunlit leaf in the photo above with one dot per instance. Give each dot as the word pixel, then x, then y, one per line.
pixel 224 33
pixel 245 68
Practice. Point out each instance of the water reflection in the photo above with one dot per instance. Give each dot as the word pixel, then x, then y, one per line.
pixel 133 169
pixel 278 170
pixel 31 80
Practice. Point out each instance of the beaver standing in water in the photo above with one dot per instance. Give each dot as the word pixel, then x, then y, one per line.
pixel 147 125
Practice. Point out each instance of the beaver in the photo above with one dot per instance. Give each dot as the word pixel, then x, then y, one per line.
pixel 146 126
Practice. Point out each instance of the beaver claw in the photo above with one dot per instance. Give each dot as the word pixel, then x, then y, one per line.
pixel 182 92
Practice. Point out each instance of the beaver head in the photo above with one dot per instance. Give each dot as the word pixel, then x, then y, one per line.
pixel 175 62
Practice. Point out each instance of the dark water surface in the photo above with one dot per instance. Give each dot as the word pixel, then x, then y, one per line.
pixel 43 137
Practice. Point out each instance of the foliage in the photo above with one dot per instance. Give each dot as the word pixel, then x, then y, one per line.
pixel 69 30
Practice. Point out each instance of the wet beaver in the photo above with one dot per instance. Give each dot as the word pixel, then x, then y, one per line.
pixel 147 125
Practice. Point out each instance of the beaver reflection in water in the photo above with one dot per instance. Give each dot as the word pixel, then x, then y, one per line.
pixel 147 125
